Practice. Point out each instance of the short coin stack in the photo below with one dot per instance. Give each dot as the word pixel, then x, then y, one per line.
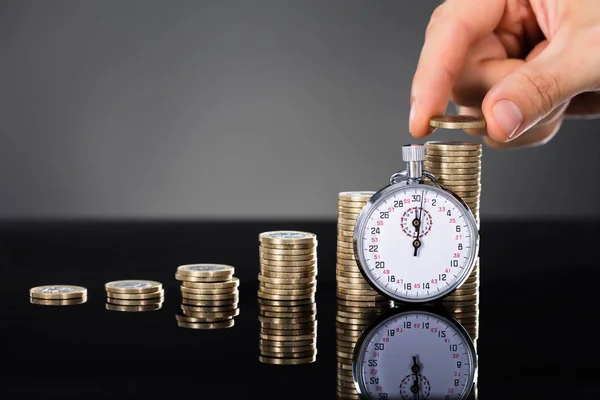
pixel 351 285
pixel 210 296
pixel 57 295
pixel 134 295
pixel 351 321
pixel 457 167
pixel 286 297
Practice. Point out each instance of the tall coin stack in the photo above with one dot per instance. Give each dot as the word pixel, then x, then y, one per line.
pixel 134 295
pixel 209 296
pixel 286 297
pixel 57 295
pixel 351 285
pixel 351 320
pixel 457 167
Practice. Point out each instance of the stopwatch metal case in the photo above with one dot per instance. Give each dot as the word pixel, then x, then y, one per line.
pixel 413 176
pixel 435 311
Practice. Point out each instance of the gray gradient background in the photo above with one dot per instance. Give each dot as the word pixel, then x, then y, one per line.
pixel 234 109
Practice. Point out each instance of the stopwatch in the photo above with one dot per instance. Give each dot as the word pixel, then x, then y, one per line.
pixel 416 355
pixel 415 241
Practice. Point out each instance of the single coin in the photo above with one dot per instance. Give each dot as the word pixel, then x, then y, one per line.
pixel 358 315
pixel 297 286
pixel 301 246
pixel 233 283
pixel 133 286
pixel 347 252
pixel 288 292
pixel 268 296
pixel 303 354
pixel 352 321
pixel 288 332
pixel 286 350
pixel 284 321
pixel 285 263
pixel 146 302
pixel 187 309
pixel 356 292
pixel 286 361
pixel 287 237
pixel 362 287
pixel 284 303
pixel 363 310
pixel 452 146
pixel 370 303
pixel 206 270
pixel 290 338
pixel 347 222
pixel 356 195
pixel 291 271
pixel 288 281
pixel 310 274
pixel 291 252
pixel 201 317
pixel 286 344
pixel 59 302
pixel 350 329
pixel 347 216
pixel 343 262
pixel 212 291
pixel 465 292
pixel 305 326
pixel 229 296
pixel 457 122
pixel 286 257
pixel 351 204
pixel 349 274
pixel 116 307
pixel 349 210
pixel 209 325
pixel 198 279
pixel 345 255
pixel 288 315
pixel 293 309
pixel 135 296
pixel 209 303
pixel 57 292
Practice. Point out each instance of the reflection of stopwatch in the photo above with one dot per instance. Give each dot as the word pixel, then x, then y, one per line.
pixel 415 241
pixel 416 355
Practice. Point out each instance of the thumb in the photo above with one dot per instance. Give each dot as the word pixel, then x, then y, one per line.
pixel 535 89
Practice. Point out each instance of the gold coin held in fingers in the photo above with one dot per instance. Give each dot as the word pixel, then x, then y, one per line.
pixel 457 122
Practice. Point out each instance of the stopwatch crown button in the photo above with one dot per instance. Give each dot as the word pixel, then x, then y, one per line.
pixel 413 152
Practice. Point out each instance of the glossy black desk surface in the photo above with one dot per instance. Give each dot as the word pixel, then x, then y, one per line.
pixel 538 324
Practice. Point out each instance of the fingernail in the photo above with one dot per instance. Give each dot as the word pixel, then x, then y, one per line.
pixel 411 115
pixel 508 116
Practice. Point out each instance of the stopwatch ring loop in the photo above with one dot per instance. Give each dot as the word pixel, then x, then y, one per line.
pixel 403 175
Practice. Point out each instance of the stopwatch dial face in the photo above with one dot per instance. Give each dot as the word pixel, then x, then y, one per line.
pixel 416 243
pixel 415 355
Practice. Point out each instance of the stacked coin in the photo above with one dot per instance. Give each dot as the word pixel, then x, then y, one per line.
pixel 134 295
pixel 457 167
pixel 210 296
pixel 351 285
pixel 351 320
pixel 57 295
pixel 286 297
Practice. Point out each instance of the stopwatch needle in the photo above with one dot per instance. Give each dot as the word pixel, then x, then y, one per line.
pixel 415 386
pixel 417 224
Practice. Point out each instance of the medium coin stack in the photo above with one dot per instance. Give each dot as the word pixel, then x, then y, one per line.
pixel 351 285
pixel 287 310
pixel 57 295
pixel 134 295
pixel 457 167
pixel 210 296
pixel 351 320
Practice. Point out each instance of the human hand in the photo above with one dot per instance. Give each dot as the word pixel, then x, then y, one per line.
pixel 523 64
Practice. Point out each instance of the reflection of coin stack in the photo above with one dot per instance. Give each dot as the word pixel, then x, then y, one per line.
pixel 57 295
pixel 134 295
pixel 286 297
pixel 351 319
pixel 351 285
pixel 209 296
pixel 457 167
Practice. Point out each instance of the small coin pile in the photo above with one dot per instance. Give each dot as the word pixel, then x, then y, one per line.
pixel 457 167
pixel 209 296
pixel 351 321
pixel 57 295
pixel 286 297
pixel 134 295
pixel 351 285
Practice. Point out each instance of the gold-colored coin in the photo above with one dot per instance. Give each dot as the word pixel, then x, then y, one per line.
pixel 355 274
pixel 345 244
pixel 285 361
pixel 57 292
pixel 302 246
pixel 457 122
pixel 346 223
pixel 133 286
pixel 443 160
pixel 355 278
pixel 451 180
pixel 344 264
pixel 349 330
pixel 452 146
pixel 284 303
pixel 342 286
pixel 363 310
pixel 304 354
pixel 286 344
pixel 345 239
pixel 288 332
pixel 269 296
pixel 150 307
pixel 310 326
pixel 464 292
pixel 206 270
pixel 288 292
pixel 147 302
pixel 136 296
pixel 345 232
pixel 197 279
pixel 189 310
pixel 228 296
pixel 429 152
pixel 59 302
pixel 362 304
pixel 469 297
pixel 285 258
pixel 345 256
pixel 290 315
pixel 310 274
pixel 348 216
pixel 369 297
pixel 211 291
pixel 289 281
pixel 208 325
pixel 293 286
pixel 465 315
pixel 289 269
pixel 454 171
pixel 291 338
pixel 356 292
pixel 208 303
pixel 194 317
pixel 352 321
pixel 356 195
pixel 291 309
pixel 233 283
pixel 349 210
pixel 351 204
pixel 287 237
pixel 287 350
pixel 288 263
pixel 284 321
pixel 292 252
